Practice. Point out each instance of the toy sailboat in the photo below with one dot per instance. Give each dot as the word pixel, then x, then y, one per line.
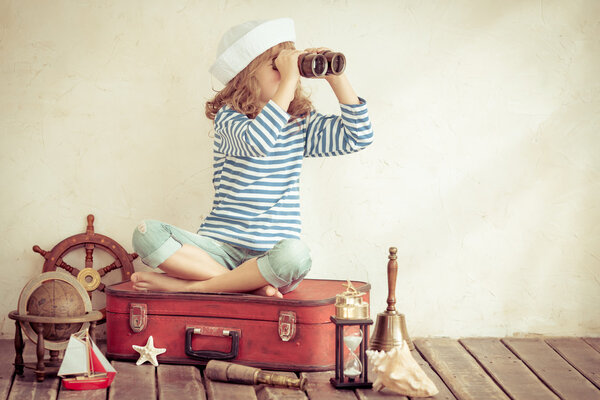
pixel 84 366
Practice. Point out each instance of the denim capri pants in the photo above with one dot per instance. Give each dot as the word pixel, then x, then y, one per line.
pixel 284 266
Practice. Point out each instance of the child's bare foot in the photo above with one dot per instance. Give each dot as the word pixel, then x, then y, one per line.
pixel 143 281
pixel 269 291
pixel 161 282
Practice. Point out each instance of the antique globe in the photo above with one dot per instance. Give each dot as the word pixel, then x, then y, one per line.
pixel 59 297
pixel 56 298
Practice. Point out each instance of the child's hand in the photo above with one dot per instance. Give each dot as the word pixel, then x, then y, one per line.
pixel 287 64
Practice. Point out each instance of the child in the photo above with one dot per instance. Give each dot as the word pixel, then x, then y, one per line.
pixel 264 127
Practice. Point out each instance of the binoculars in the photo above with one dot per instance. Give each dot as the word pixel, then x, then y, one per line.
pixel 315 65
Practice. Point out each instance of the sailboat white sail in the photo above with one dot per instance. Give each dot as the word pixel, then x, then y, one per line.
pixel 84 366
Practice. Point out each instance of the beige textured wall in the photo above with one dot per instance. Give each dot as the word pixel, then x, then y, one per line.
pixel 485 171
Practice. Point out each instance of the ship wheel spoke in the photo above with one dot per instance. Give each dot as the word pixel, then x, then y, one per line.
pixel 89 255
pixel 59 262
pixel 72 270
pixel 111 267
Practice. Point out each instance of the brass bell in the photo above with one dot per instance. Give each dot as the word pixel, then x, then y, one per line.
pixel 390 327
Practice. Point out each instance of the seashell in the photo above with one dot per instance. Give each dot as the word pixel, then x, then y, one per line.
pixel 398 371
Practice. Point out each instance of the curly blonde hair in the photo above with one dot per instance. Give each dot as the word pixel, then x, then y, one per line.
pixel 242 93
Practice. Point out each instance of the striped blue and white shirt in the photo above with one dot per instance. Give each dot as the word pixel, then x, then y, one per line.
pixel 257 165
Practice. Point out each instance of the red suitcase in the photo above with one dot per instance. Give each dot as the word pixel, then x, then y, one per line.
pixel 293 333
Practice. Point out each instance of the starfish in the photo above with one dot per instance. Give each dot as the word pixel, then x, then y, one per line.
pixel 148 352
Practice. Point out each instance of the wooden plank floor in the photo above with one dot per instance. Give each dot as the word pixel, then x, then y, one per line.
pixel 469 368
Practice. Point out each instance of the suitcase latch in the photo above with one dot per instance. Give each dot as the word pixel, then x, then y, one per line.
pixel 138 316
pixel 287 325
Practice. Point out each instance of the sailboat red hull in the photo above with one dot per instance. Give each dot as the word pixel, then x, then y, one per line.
pixel 88 383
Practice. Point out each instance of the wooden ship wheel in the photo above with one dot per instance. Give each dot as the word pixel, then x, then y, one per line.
pixel 90 278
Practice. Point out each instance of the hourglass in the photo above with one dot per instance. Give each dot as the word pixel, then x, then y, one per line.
pixel 351 334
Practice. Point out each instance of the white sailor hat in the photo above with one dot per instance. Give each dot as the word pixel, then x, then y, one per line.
pixel 243 43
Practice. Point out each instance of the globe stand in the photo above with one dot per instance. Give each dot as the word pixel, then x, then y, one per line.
pixel 50 366
pixel 51 307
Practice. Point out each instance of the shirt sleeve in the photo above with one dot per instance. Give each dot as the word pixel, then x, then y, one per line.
pixel 237 135
pixel 331 135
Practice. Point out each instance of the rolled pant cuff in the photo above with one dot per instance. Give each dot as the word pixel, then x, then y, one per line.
pixel 264 266
pixel 158 256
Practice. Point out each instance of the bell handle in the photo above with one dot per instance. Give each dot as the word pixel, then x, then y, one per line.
pixel 392 273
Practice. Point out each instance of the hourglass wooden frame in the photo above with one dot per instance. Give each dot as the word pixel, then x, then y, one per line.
pixel 340 380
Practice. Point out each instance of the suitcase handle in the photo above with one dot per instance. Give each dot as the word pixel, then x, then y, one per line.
pixel 211 354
